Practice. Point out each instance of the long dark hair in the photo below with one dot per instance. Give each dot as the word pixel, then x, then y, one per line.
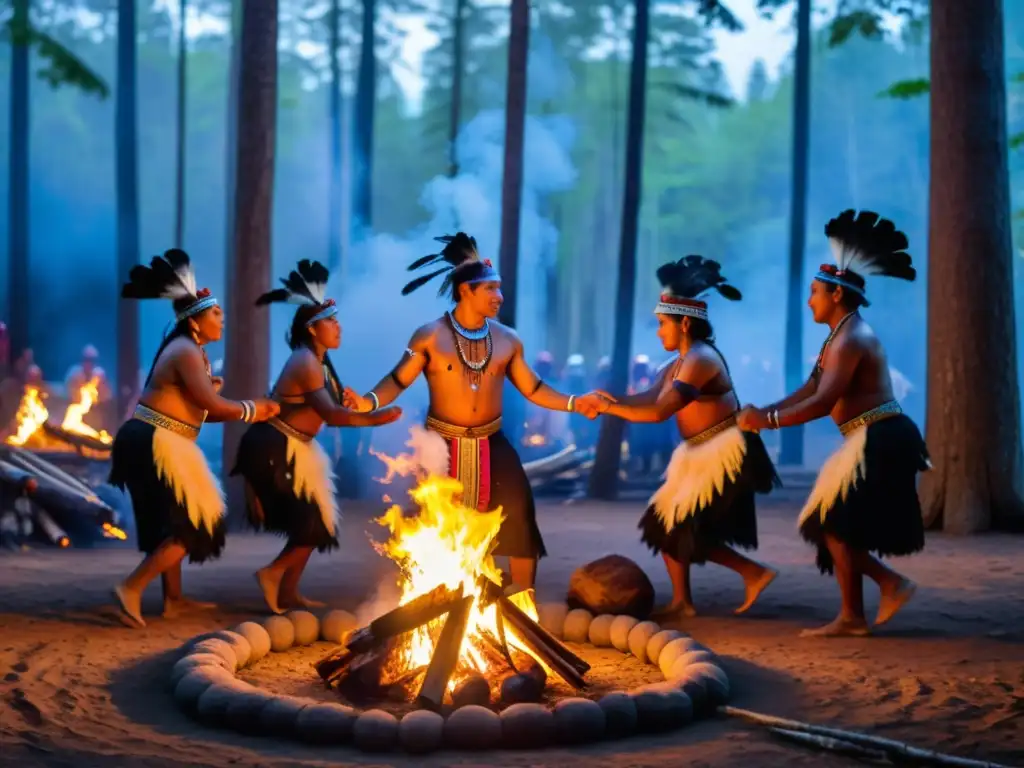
pixel 180 329
pixel 298 336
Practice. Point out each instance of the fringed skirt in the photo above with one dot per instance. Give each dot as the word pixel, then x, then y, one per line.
pixel 290 486
pixel 866 492
pixel 707 499
pixel 174 494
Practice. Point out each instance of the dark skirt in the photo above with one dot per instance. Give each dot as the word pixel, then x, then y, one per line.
pixel 159 515
pixel 510 489
pixel 728 518
pixel 881 512
pixel 271 502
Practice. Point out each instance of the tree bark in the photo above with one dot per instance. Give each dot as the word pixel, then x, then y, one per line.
pixel 455 113
pixel 127 162
pixel 18 221
pixel 365 107
pixel 792 438
pixel 230 141
pixel 179 160
pixel 247 354
pixel 334 203
pixel 973 421
pixel 604 478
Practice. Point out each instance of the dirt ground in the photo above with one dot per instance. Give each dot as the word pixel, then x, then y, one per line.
pixel 79 689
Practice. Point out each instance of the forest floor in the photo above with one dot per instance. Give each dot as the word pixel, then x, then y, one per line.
pixel 80 689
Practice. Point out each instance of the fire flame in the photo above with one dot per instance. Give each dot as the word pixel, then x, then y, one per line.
pixel 449 544
pixel 88 394
pixel 32 414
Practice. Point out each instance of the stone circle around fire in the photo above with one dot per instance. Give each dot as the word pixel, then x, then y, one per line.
pixel 204 684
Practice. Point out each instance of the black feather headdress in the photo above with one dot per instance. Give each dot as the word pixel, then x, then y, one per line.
pixel 685 283
pixel 306 285
pixel 462 263
pixel 865 244
pixel 170 276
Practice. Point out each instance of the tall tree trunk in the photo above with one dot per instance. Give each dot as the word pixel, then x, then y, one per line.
pixel 792 438
pixel 18 223
pixel 604 478
pixel 230 141
pixel 247 358
pixel 127 160
pixel 973 424
pixel 334 204
pixel 455 113
pixel 365 107
pixel 179 160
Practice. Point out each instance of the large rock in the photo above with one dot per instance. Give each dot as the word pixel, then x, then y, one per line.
pixel 612 585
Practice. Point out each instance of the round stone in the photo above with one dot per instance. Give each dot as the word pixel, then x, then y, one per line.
pixel 212 706
pixel 693 657
pixel 552 617
pixel 715 681
pixel 653 710
pixel 600 632
pixel 672 651
pixel 238 643
pixel 281 631
pixel 218 648
pixel 375 731
pixel 473 690
pixel 527 726
pixel 307 627
pixel 613 584
pixel 243 712
pixel 186 664
pixel 693 684
pixel 195 683
pixel 521 688
pixel 259 640
pixel 279 716
pixel 326 723
pixel 421 732
pixel 640 636
pixel 620 715
pixel 579 721
pixel 659 641
pixel 621 628
pixel 472 728
pixel 336 626
pixel 679 708
pixel 577 625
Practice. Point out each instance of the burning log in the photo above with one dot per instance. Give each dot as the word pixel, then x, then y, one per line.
pixel 75 439
pixel 446 656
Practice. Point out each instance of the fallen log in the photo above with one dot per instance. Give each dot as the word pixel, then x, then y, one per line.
pixel 445 656
pixel 405 618
pixel 75 440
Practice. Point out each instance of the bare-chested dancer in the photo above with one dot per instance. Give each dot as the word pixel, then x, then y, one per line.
pixel 177 501
pixel 465 356
pixel 707 504
pixel 289 480
pixel 865 498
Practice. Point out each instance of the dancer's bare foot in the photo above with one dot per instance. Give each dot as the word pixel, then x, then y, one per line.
pixel 270 583
pixel 175 606
pixel 840 628
pixel 755 587
pixel 673 611
pixel 130 604
pixel 894 598
pixel 298 601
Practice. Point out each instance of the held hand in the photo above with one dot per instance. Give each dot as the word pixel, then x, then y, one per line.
pixel 591 404
pixel 387 415
pixel 751 420
pixel 266 409
pixel 218 383
pixel 355 402
pixel 605 395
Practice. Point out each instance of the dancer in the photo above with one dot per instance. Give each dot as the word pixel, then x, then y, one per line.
pixel 706 505
pixel 865 498
pixel 177 501
pixel 465 356
pixel 289 481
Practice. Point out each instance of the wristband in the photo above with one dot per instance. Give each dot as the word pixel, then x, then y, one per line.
pixel 773 418
pixel 572 402
pixel 248 411
pixel 376 401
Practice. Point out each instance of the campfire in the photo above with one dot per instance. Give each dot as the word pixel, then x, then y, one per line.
pixel 35 431
pixel 455 627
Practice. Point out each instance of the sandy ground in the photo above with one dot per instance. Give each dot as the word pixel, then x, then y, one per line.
pixel 948 673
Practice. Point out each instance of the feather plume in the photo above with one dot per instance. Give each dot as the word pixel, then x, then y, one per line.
pixel 306 284
pixel 867 244
pixel 693 276
pixel 459 251
pixel 167 277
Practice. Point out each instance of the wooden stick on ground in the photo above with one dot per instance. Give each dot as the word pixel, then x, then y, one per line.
pixel 891 747
pixel 831 745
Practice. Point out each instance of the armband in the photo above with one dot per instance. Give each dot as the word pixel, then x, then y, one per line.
pixel 688 392
pixel 538 385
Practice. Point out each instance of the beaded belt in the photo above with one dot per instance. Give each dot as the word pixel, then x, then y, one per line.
pixel 455 432
pixel 866 419
pixel 288 430
pixel 707 434
pixel 157 419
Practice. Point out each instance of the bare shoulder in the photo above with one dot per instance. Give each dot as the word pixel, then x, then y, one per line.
pixel 182 349
pixel 423 337
pixel 503 332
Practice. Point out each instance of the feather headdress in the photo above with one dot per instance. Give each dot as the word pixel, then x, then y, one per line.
pixel 462 265
pixel 685 283
pixel 306 285
pixel 170 276
pixel 865 244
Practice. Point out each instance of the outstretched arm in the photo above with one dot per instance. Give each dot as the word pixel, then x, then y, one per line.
pixel 531 386
pixel 198 387
pixel 650 395
pixel 334 415
pixel 807 389
pixel 693 374
pixel 400 379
